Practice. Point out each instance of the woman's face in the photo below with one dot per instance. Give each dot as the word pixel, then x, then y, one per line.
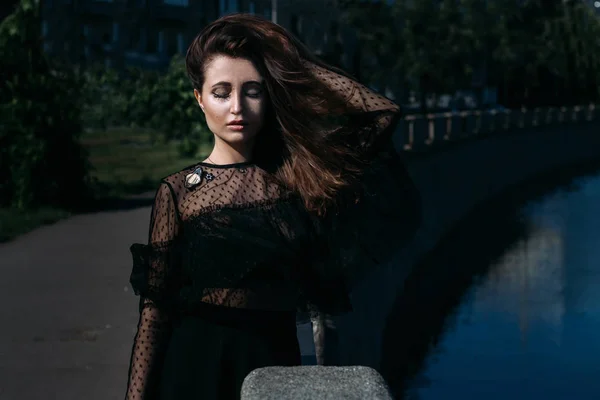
pixel 233 90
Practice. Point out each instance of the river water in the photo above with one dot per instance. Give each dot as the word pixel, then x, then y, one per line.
pixel 528 326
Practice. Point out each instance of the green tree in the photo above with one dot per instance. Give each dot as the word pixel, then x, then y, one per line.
pixel 582 46
pixel 176 112
pixel 545 53
pixel 457 46
pixel 440 45
pixel 536 52
pixel 138 88
pixel 379 50
pixel 161 102
pixel 105 102
pixel 423 46
pixel 41 160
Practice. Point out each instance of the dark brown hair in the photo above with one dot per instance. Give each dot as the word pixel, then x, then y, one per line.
pixel 308 131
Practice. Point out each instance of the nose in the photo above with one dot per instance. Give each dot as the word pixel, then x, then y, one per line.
pixel 236 103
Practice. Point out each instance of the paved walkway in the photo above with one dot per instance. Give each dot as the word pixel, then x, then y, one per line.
pixel 68 315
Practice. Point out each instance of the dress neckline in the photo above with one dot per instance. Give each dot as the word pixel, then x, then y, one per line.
pixel 224 166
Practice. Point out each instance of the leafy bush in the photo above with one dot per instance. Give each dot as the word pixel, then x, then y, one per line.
pixel 138 86
pixel 41 160
pixel 163 103
pixel 176 112
pixel 103 106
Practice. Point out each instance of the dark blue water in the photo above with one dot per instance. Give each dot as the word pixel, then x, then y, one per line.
pixel 527 324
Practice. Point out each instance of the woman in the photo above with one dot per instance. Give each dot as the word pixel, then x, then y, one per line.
pixel 241 241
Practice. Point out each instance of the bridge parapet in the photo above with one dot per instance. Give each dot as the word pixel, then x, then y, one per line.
pixel 421 132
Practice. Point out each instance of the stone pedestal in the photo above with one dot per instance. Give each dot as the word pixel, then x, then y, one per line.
pixel 315 383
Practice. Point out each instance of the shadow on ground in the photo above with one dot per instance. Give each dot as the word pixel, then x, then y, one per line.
pixel 423 310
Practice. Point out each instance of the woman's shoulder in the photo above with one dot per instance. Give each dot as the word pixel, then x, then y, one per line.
pixel 177 180
pixel 178 184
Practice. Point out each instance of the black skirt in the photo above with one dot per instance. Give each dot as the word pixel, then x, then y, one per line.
pixel 211 352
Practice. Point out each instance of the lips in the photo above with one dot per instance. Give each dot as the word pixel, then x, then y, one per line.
pixel 243 123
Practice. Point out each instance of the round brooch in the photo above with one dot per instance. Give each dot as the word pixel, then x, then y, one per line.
pixel 193 179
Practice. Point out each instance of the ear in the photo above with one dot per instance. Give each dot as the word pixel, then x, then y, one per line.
pixel 198 97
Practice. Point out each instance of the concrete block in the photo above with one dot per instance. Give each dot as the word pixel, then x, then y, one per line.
pixel 315 382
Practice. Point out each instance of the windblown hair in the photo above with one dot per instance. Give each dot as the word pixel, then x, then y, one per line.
pixel 308 132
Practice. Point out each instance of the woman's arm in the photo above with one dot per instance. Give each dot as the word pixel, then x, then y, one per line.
pixel 153 278
pixel 148 351
pixel 380 110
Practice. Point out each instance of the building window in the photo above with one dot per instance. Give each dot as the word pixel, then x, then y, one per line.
pixel 296 24
pixel 135 38
pixel 180 43
pixel 151 40
pixel 161 42
pixel 171 42
pixel 115 33
pixel 181 3
pixel 334 28
pixel 106 39
pixel 228 6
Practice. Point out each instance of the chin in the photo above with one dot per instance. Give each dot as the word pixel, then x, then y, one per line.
pixel 237 137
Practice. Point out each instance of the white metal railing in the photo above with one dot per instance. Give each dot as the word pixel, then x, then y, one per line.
pixel 425 130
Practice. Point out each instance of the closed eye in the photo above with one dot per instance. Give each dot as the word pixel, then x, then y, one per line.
pixel 253 93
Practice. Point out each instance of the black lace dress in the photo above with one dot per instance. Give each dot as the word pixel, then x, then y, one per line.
pixel 231 258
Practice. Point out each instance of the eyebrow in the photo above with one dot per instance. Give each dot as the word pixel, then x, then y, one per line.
pixel 223 83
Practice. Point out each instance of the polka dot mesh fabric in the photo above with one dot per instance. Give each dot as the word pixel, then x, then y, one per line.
pixel 379 113
pixel 234 237
pixel 157 265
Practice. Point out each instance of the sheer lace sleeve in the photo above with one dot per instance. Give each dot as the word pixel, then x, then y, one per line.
pixel 154 279
pixel 374 115
pixel 366 234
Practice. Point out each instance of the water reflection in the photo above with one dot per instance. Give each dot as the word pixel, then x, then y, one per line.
pixel 507 306
pixel 526 283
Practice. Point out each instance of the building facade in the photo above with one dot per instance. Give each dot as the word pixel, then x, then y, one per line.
pixel 148 33
pixel 118 33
